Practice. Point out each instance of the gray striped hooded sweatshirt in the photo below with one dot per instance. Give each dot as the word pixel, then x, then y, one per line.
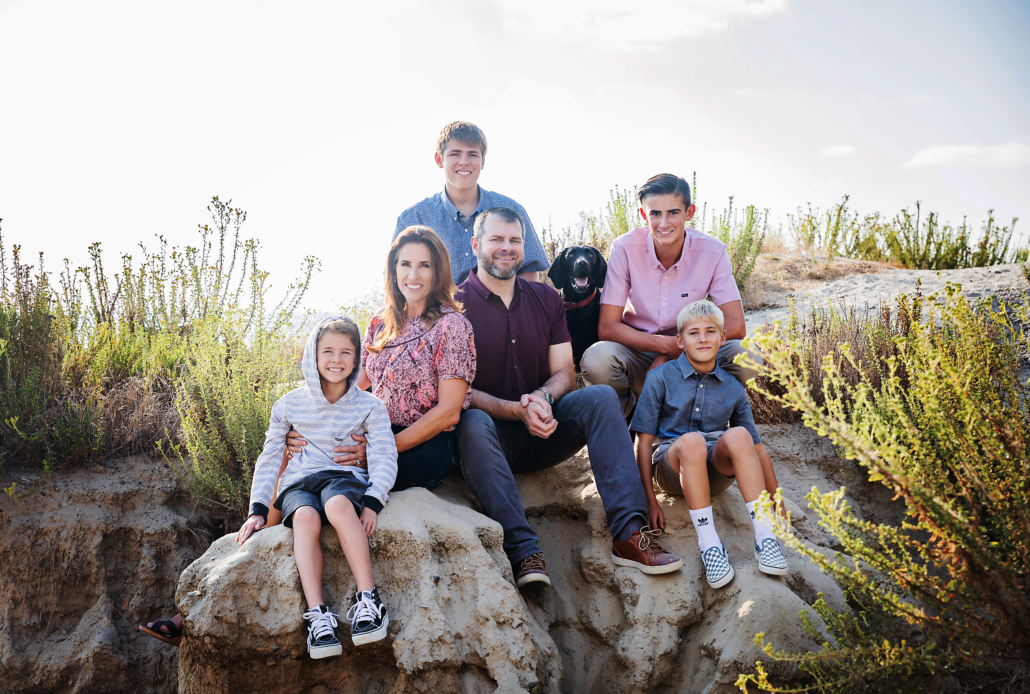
pixel 325 425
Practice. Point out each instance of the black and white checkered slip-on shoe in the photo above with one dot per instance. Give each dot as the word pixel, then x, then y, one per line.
pixel 368 618
pixel 322 641
pixel 770 557
pixel 718 570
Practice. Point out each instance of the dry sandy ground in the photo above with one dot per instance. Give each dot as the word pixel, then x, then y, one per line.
pixel 873 283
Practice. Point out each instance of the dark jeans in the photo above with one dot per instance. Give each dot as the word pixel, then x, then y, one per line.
pixel 490 451
pixel 426 464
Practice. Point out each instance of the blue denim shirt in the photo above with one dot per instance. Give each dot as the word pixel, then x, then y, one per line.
pixel 437 213
pixel 677 400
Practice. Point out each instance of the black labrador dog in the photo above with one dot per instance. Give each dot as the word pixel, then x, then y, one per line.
pixel 578 273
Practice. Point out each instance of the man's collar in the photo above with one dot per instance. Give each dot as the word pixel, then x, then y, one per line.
pixel 453 211
pixel 687 369
pixel 475 283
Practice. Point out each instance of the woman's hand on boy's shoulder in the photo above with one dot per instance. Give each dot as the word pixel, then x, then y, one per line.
pixel 251 525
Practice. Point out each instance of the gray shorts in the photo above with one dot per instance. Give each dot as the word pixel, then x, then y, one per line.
pixel 316 490
pixel 669 481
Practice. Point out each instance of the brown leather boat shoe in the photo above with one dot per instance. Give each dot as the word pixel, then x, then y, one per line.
pixel 642 551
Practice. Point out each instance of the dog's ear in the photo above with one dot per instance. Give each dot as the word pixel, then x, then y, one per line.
pixel 602 268
pixel 557 272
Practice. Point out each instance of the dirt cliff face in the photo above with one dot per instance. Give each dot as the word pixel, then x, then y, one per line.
pixel 459 625
pixel 84 560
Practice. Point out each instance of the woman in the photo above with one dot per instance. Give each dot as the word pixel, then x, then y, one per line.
pixel 419 357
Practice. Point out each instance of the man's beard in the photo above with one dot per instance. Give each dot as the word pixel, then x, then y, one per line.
pixel 487 264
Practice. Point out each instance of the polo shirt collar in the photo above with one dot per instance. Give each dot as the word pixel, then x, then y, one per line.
pixel 475 283
pixel 687 238
pixel 452 211
pixel 687 369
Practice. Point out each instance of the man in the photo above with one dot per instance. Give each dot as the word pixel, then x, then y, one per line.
pixel 452 213
pixel 526 414
pixel 653 272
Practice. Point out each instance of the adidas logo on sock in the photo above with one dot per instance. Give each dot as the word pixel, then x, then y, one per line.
pixel 702 521
pixel 752 515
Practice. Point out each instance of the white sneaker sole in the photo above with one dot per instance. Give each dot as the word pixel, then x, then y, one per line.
pixel 722 581
pixel 652 570
pixel 529 579
pixel 372 636
pixel 771 570
pixel 325 651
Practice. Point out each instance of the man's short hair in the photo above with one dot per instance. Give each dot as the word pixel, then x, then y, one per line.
pixel 506 214
pixel 665 184
pixel 700 309
pixel 462 131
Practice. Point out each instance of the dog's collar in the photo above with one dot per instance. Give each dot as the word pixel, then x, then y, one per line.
pixel 573 305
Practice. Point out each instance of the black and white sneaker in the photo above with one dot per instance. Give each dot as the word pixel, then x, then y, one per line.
pixel 368 618
pixel 322 641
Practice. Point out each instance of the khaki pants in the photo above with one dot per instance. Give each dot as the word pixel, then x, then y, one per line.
pixel 618 366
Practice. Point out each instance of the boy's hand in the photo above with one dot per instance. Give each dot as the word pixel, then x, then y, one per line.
pixel 368 520
pixel 655 517
pixel 249 526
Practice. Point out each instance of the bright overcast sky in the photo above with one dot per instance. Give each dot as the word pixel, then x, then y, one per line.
pixel 119 120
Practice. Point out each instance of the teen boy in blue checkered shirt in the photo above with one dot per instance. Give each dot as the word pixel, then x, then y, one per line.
pixel 706 437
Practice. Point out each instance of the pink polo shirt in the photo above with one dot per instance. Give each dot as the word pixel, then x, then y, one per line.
pixel 653 295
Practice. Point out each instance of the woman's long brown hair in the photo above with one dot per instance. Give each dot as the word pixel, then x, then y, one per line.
pixel 395 313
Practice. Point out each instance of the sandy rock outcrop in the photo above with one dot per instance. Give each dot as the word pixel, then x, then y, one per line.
pixel 84 560
pixel 458 624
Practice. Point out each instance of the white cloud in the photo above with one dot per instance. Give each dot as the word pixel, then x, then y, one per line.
pixel 837 151
pixel 1006 155
pixel 917 99
pixel 629 24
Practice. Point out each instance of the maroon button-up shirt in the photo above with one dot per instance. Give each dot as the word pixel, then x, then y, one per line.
pixel 512 344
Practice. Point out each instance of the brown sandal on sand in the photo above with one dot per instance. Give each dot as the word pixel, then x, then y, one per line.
pixel 174 635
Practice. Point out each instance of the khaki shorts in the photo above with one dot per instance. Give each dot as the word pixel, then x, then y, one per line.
pixel 669 481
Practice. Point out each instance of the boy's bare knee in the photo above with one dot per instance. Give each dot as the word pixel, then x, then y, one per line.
pixel 691 447
pixel 306 518
pixel 738 436
pixel 338 505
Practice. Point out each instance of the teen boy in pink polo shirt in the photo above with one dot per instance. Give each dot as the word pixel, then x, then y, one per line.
pixel 653 272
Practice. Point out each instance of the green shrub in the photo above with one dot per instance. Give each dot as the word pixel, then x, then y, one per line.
pixel 88 368
pixel 826 332
pixel 943 601
pixel 908 240
pixel 224 398
pixel 743 236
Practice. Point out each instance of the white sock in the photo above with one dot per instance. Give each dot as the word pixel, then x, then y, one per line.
pixel 704 524
pixel 762 529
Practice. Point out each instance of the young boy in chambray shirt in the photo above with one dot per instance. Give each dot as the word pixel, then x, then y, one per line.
pixel 706 437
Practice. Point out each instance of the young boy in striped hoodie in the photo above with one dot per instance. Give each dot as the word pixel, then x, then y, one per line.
pixel 314 491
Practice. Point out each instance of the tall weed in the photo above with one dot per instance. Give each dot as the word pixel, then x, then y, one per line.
pixel 910 240
pixel 943 601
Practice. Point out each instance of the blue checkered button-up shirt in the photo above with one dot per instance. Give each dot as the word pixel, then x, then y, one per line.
pixel 437 213
pixel 677 400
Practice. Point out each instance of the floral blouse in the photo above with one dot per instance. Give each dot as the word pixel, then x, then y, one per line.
pixel 406 373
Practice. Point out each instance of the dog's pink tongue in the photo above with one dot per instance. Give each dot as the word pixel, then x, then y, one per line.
pixel 581 281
